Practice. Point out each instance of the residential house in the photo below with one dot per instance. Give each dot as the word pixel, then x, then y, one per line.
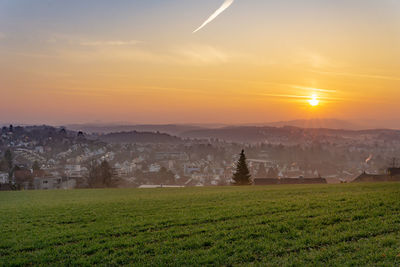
pixel 280 181
pixel 4 178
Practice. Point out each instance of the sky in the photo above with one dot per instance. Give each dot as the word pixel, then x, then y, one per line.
pixel 135 61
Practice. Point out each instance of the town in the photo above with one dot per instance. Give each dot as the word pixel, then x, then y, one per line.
pixel 46 157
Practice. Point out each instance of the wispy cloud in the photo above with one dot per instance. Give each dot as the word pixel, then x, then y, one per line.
pixel 75 48
pixel 313 89
pixel 187 54
pixel 78 40
pixel 303 97
pixel 111 43
pixel 201 54
pixel 380 77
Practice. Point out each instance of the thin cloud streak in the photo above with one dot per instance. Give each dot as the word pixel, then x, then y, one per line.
pixel 380 77
pixel 82 41
pixel 224 6
pixel 304 97
pixel 314 89
pixel 111 43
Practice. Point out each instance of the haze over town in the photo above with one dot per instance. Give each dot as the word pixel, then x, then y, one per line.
pixel 257 62
pixel 125 81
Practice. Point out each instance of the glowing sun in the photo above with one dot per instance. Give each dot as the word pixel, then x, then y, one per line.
pixel 314 100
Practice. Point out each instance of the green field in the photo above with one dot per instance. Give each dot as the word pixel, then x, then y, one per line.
pixel 351 224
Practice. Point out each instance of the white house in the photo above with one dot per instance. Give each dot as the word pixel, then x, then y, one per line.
pixel 154 167
pixel 73 171
pixel 3 178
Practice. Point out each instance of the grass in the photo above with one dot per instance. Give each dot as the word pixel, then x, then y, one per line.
pixel 324 225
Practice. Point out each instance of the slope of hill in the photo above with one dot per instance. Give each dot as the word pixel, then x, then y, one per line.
pixel 138 137
pixel 251 134
pixel 319 123
pixel 312 225
pixel 172 129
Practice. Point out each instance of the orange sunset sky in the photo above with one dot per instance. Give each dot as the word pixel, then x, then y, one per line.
pixel 139 62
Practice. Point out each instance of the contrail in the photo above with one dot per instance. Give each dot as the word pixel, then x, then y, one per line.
pixel 224 6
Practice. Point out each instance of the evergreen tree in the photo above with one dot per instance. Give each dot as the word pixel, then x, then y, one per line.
pixel 242 175
pixel 63 132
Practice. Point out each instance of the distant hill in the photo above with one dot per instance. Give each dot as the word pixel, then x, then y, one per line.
pixel 252 134
pixel 319 123
pixel 138 137
pixel 172 129
pixel 181 129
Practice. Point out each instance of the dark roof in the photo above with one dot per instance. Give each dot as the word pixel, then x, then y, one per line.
pixel 38 173
pixel 22 175
pixel 372 178
pixel 272 181
pixel 318 180
pixel 6 187
pixel 266 181
pixel 393 171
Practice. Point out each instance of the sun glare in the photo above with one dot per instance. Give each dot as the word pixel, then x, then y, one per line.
pixel 314 100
